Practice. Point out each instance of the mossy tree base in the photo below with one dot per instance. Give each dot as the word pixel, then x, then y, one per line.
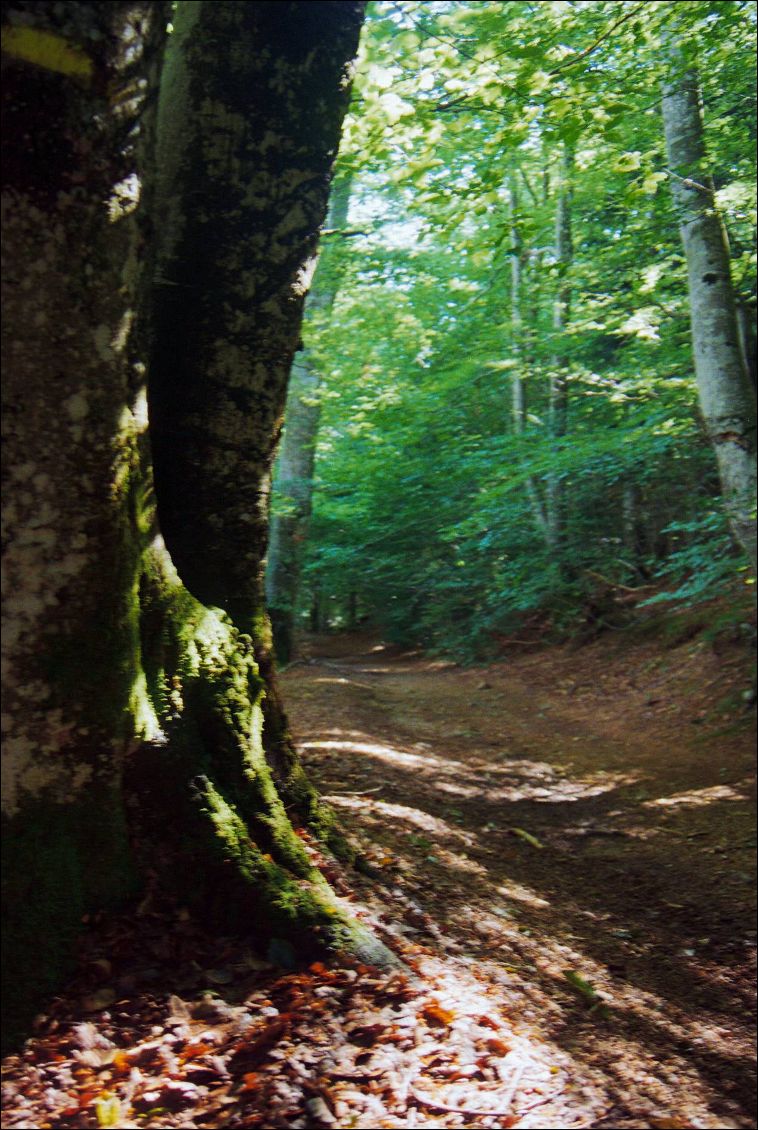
pixel 229 850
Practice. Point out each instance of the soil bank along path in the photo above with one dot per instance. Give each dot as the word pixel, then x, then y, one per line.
pixel 574 834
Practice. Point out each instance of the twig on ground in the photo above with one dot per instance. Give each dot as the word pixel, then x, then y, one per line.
pixel 515 1080
pixel 360 792
pixel 541 1102
pixel 502 1110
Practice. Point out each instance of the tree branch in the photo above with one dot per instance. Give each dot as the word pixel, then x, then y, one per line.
pixel 345 234
pixel 691 184
pixel 601 39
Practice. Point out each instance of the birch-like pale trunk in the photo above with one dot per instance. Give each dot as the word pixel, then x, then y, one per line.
pixel 518 392
pixel 518 386
pixel 295 462
pixel 558 412
pixel 727 399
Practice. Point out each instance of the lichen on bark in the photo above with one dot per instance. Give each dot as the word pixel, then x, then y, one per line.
pixel 244 155
pixel 124 677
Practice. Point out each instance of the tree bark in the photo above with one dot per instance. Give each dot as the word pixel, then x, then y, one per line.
pixel 132 670
pixel 518 384
pixel 727 400
pixel 295 462
pixel 518 390
pixel 747 336
pixel 558 410
pixel 73 416
pixel 633 529
pixel 245 147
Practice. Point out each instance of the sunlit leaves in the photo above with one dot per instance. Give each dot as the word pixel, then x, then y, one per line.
pixel 643 324
pixel 422 506
pixel 394 108
pixel 652 181
pixel 628 162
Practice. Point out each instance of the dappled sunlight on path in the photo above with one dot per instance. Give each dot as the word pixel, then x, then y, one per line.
pixel 530 842
pixel 504 779
pixel 567 889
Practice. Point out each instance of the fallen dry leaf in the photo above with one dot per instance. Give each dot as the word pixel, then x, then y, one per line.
pixel 434 1014
pixel 498 1047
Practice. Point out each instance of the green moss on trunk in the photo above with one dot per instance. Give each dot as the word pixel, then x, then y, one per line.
pixel 107 648
pixel 230 850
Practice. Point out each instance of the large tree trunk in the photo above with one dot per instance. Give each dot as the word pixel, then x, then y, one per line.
pixel 74 696
pixel 122 658
pixel 245 146
pixel 727 399
pixel 294 468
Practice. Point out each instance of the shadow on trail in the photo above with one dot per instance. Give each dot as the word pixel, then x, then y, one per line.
pixel 632 883
pixel 620 881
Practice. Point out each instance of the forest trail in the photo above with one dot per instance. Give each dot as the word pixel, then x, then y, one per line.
pixel 564 811
pixel 584 812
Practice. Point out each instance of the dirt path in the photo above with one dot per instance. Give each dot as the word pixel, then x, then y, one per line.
pixel 584 813
pixel 569 812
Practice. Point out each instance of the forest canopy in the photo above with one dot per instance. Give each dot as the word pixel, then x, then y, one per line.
pixel 499 356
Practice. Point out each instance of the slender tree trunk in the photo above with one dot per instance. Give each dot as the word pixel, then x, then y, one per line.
pixel 293 484
pixel 295 463
pixel 727 399
pixel 315 620
pixel 558 410
pixel 518 384
pixel 633 529
pixel 518 391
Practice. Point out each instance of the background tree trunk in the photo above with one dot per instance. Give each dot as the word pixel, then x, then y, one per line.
pixel 295 462
pixel 518 382
pixel 558 408
pixel 128 664
pixel 727 399
pixel 746 329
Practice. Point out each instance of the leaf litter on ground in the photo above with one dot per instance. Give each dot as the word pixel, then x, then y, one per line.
pixel 333 1044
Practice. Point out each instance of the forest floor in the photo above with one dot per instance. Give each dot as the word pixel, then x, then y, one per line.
pixel 559 846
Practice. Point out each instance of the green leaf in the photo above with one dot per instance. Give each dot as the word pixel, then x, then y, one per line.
pixel 587 992
pixel 530 839
pixel 628 162
pixel 108 1111
pixel 651 182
